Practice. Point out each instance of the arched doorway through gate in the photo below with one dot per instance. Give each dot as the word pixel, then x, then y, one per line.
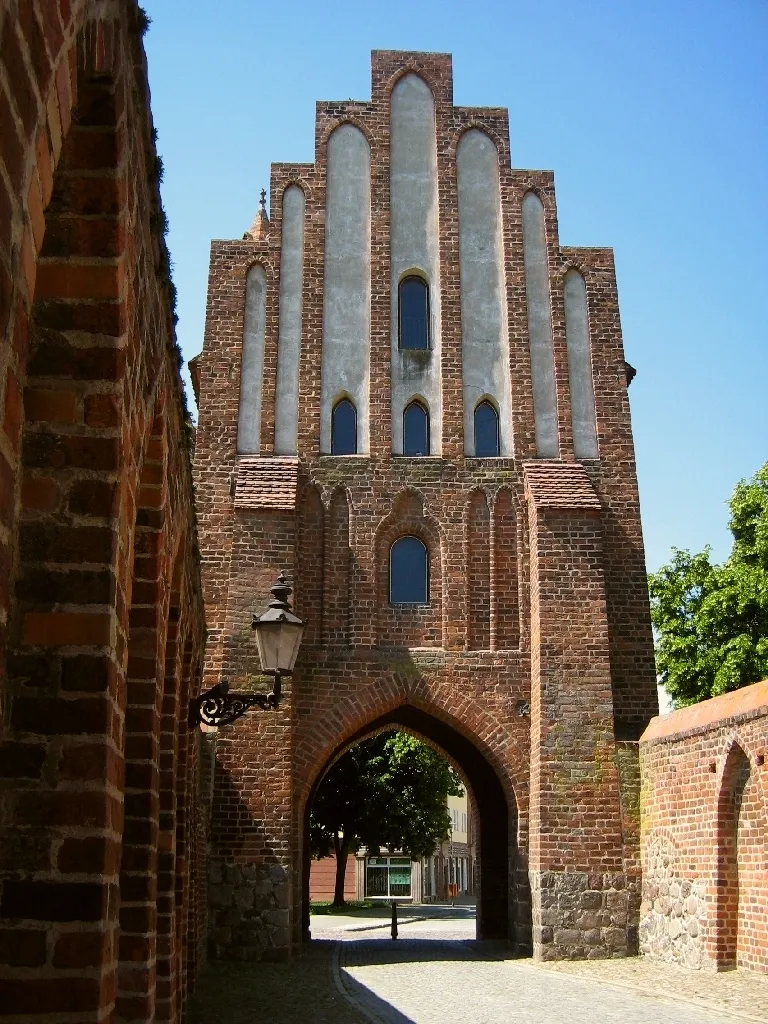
pixel 497 916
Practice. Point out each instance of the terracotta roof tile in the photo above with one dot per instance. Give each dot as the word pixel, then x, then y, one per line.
pixel 266 482
pixel 560 485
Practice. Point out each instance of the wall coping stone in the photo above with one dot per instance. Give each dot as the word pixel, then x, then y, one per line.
pixel 749 701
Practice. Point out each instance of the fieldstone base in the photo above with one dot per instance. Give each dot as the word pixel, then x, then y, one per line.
pixel 249 916
pixel 584 916
pixel 673 913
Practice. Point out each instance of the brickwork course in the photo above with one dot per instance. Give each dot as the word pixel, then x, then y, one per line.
pixel 531 667
pixel 705 834
pixel 102 900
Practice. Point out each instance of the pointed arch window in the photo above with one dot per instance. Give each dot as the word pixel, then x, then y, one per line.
pixel 415 429
pixel 344 428
pixel 486 430
pixel 409 572
pixel 413 311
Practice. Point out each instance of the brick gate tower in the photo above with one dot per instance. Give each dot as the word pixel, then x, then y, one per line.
pixel 413 399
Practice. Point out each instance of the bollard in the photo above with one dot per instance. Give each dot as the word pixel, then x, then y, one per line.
pixel 394 920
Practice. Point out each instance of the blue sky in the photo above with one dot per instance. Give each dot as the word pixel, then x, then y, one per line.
pixel 653 117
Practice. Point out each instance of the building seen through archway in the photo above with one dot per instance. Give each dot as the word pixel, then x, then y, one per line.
pixel 413 399
pixel 469 860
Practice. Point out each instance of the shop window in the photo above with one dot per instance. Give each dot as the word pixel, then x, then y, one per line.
pixel 387 877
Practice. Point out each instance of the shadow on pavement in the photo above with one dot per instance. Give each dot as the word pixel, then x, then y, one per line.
pixel 385 1011
pixel 299 991
pixel 406 950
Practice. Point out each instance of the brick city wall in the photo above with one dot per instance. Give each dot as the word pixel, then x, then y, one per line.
pixel 463 671
pixel 704 829
pixel 102 838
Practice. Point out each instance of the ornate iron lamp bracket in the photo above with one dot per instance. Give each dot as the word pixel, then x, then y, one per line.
pixel 218 706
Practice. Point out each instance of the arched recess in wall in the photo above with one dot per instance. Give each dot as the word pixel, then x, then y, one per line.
pixel 191 836
pixel 170 860
pixel 505 600
pixel 347 281
pixel 417 429
pixel 484 321
pixel 478 561
pixel 344 427
pixel 252 362
pixel 139 863
pixel 338 559
pixel 409 625
pixel 741 884
pixel 414 249
pixel 309 584
pixel 96 363
pixel 540 327
pixel 289 339
pixel 65 642
pixel 502 902
pixel 486 430
pixel 580 366
pixel 413 313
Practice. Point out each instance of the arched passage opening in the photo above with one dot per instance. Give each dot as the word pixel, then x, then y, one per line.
pixel 498 916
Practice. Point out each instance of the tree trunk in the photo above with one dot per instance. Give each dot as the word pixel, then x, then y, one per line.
pixel 342 852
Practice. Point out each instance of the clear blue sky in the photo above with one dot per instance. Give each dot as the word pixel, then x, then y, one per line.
pixel 653 117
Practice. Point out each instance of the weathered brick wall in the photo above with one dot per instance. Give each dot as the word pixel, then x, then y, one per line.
pixel 101 619
pixel 704 833
pixel 460 668
pixel 577 866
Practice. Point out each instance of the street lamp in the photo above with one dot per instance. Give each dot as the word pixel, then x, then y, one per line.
pixel 278 635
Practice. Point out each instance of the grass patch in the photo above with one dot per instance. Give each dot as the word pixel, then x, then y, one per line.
pixel 321 907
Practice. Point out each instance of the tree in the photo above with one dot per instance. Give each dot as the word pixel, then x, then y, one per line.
pixel 711 621
pixel 387 791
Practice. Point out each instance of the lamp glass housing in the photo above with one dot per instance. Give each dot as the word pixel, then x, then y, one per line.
pixel 278 644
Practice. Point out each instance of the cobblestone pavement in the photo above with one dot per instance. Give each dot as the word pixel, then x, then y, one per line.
pixel 299 992
pixel 436 972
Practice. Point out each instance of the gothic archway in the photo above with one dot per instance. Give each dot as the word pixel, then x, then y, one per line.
pixel 503 900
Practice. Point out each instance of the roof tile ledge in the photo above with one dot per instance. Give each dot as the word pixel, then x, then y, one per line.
pixel 557 485
pixel 266 482
pixel 708 713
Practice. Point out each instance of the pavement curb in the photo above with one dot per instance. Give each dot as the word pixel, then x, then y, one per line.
pixel 374 1018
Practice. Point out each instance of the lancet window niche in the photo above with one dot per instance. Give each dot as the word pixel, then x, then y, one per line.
pixel 344 428
pixel 415 429
pixel 486 430
pixel 413 306
pixel 408 571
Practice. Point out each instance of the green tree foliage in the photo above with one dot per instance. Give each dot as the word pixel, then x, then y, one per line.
pixel 711 621
pixel 389 791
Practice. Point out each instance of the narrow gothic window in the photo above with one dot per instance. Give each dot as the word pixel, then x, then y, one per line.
pixel 486 431
pixel 415 430
pixel 414 313
pixel 408 572
pixel 344 428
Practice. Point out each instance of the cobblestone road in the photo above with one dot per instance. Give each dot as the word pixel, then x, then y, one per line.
pixel 436 972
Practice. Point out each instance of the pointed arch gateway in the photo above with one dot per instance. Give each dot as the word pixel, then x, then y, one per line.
pixel 503 894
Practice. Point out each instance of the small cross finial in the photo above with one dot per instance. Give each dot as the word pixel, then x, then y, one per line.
pixel 263 200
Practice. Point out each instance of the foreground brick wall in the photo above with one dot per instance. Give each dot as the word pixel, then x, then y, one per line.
pixel 532 666
pixel 101 621
pixel 705 833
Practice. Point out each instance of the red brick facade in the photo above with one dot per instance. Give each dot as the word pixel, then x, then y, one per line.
pixel 532 665
pixel 705 833
pixel 102 915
